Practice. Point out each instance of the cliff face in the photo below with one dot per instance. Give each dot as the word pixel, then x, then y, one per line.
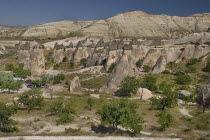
pixel 130 24
pixel 32 55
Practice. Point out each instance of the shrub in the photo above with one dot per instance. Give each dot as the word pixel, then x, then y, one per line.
pixel 146 68
pixel 192 61
pixel 65 59
pixel 9 67
pixel 83 62
pixel 191 69
pixel 166 72
pixel 56 66
pixel 139 63
pixel 183 79
pixel 179 73
pixel 111 68
pixel 58 78
pixel 71 64
pixel 129 85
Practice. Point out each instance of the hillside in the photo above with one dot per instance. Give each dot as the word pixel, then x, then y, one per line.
pixel 129 24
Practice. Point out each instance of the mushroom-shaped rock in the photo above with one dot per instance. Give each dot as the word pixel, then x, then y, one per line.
pixel 144 93
pixel 74 85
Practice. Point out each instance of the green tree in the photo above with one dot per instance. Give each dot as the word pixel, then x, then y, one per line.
pixel 129 85
pixel 6 123
pixel 64 111
pixel 149 82
pixel 122 113
pixel 31 99
pixel 19 72
pixel 168 100
pixel 111 68
pixel 17 85
pixel 83 62
pixel 9 67
pixel 165 119
pixel 146 68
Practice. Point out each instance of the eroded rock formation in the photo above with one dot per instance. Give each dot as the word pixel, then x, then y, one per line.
pixel 31 54
pixel 2 49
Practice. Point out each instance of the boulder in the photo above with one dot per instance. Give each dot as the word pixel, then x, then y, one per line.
pixel 74 85
pixel 144 93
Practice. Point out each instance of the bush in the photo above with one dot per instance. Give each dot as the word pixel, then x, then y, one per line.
pixel 122 113
pixel 9 67
pixel 183 79
pixel 65 59
pixel 149 82
pixel 56 66
pixel 65 112
pixel 179 73
pixel 111 68
pixel 83 62
pixel 129 85
pixel 139 63
pixel 6 123
pixel 191 69
pixel 58 78
pixel 146 68
pixel 166 72
pixel 192 61
pixel 71 64
pixel 31 99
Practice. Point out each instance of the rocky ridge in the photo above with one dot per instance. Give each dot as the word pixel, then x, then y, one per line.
pixel 129 24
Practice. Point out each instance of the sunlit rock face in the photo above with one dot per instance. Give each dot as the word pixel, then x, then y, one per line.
pixel 2 50
pixel 31 54
pixel 130 24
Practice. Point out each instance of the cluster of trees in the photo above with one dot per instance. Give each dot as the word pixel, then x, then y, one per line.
pixel 182 78
pixel 7 83
pixel 29 100
pixel 18 71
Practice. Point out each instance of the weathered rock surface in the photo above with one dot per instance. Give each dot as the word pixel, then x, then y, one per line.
pixel 130 24
pixel 74 85
pixel 160 65
pixel 2 49
pixel 125 67
pixel 31 54
pixel 144 93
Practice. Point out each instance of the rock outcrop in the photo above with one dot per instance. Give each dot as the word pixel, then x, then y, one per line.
pixel 2 50
pixel 31 54
pixel 144 94
pixel 130 24
pixel 74 85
